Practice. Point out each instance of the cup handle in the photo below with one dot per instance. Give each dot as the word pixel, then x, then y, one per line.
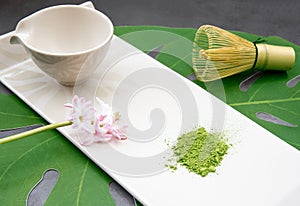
pixel 88 4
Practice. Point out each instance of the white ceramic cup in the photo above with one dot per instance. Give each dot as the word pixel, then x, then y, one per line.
pixel 68 42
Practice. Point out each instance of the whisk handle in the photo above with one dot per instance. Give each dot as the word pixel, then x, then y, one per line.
pixel 271 57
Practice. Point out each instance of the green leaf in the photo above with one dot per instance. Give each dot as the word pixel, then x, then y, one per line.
pixel 14 113
pixel 24 161
pixel 81 182
pixel 268 94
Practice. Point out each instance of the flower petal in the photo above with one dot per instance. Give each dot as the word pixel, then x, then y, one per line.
pixel 84 137
pixel 102 137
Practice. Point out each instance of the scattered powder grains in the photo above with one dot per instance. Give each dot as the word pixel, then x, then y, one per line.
pixel 200 151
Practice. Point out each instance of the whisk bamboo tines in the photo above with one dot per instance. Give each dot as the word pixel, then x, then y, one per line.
pixel 218 53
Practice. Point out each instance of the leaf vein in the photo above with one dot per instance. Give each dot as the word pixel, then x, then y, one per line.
pixel 264 102
pixel 295 94
pixel 81 182
pixel 20 115
pixel 24 154
pixel 254 94
pixel 179 61
pixel 284 109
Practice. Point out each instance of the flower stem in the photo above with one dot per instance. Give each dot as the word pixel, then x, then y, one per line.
pixel 34 131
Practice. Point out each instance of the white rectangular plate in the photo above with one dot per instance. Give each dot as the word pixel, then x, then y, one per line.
pixel 260 169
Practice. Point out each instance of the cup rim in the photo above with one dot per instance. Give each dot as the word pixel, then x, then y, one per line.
pixel 107 39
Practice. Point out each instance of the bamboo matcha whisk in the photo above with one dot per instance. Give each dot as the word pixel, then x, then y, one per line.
pixel 218 53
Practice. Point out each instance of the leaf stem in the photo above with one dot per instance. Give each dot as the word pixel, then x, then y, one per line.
pixel 34 131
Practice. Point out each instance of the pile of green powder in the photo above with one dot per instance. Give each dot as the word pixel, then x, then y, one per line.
pixel 200 151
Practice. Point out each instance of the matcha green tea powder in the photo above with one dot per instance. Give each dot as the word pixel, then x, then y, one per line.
pixel 200 151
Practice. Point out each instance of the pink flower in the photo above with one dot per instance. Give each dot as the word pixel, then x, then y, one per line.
pixel 82 117
pixel 106 113
pixel 105 124
pixel 82 114
pixel 88 127
pixel 85 138
pixel 118 133
pixel 94 128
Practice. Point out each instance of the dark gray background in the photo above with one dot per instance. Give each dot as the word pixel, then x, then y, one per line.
pixel 263 17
